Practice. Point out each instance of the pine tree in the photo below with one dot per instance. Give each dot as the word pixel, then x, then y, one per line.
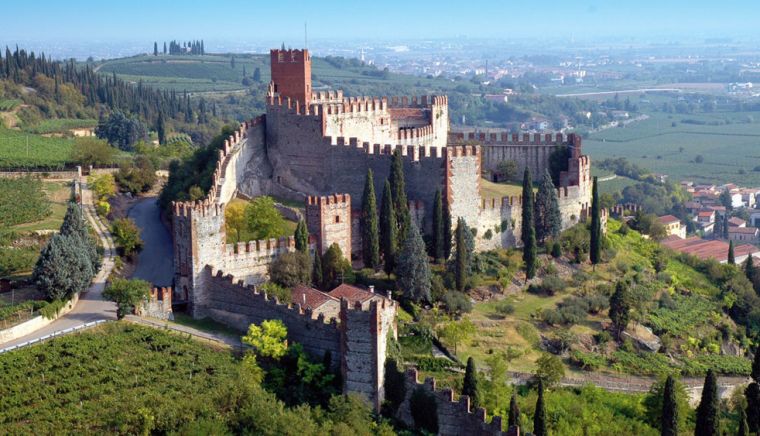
pixel 462 256
pixel 302 237
pixel 669 419
pixel 161 129
pixel 752 394
pixel 316 272
pixel 370 232
pixel 513 419
pixel 743 425
pixel 470 384
pixel 413 269
pixel 528 232
pixel 398 191
pixel 708 421
pixel 437 247
pixel 388 230
pixel 547 215
pixel 62 268
pixel 75 227
pixel 731 258
pixel 595 248
pixel 539 418
pixel 620 307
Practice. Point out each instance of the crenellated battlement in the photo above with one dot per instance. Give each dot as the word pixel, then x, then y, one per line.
pixel 261 247
pixel 455 417
pixel 501 137
pixel 328 199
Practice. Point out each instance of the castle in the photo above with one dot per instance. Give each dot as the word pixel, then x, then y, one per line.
pixel 316 147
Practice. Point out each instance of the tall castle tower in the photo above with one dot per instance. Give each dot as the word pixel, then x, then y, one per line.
pixel 291 74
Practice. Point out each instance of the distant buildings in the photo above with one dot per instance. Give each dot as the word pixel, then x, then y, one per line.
pixel 710 249
pixel 673 226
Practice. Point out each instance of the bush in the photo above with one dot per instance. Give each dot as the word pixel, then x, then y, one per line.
pixel 556 250
pixel 127 294
pixel 137 177
pixel 424 410
pixel 291 269
pixel 92 151
pixel 588 361
pixel 127 236
pixel 456 302
pixel 549 369
pixel 504 307
pixel 274 290
pixel 550 285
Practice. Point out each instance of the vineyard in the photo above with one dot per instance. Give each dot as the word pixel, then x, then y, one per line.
pixel 25 150
pixel 60 125
pixel 22 201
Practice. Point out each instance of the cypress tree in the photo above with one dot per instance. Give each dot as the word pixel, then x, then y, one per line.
pixel 725 225
pixel 539 418
pixel 669 419
pixel 708 422
pixel 752 394
pixel 463 254
pixel 398 191
pixel 620 307
pixel 302 237
pixel 751 272
pixel 547 216
pixel 388 230
pixel 470 384
pixel 513 419
pixel 316 272
pixel 370 234
pixel 155 48
pixel 743 425
pixel 447 236
pixel 437 247
pixel 62 269
pixel 75 227
pixel 161 129
pixel 413 269
pixel 595 249
pixel 731 258
pixel 528 231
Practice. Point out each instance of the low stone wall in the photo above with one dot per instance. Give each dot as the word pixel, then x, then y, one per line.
pixel 34 324
pixel 62 175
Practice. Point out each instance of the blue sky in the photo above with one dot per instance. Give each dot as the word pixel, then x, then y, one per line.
pixel 283 19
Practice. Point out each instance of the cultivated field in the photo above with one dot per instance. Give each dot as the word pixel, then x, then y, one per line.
pixel 19 150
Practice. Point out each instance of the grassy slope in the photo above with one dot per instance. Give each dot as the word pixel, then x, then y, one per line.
pixel 42 151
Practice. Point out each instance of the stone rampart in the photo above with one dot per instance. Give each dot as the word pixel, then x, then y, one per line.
pixel 158 304
pixel 454 417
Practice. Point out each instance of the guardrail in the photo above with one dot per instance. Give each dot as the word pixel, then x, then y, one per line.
pixel 53 335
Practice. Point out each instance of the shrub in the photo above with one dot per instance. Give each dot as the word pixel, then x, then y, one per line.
pixel 550 285
pixel 274 290
pixel 291 269
pixel 137 177
pixel 456 302
pixel 127 236
pixel 424 410
pixel 504 307
pixel 549 369
pixel 126 294
pixel 556 250
pixel 587 361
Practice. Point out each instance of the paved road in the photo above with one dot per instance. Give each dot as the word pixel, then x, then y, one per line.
pixel 91 306
pixel 155 261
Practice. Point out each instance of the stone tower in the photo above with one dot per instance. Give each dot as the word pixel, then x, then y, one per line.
pixel 291 75
pixel 329 218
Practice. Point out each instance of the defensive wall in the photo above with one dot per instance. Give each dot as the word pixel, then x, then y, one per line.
pixel 356 340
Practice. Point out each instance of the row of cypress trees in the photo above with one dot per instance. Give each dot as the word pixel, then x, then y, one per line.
pixel 69 260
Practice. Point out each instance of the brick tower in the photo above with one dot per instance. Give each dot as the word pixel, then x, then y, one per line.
pixel 329 218
pixel 291 74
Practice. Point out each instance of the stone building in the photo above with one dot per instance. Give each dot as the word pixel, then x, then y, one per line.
pixel 316 147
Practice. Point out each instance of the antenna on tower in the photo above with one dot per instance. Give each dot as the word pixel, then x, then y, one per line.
pixel 305 36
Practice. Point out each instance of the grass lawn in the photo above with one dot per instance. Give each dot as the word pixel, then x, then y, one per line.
pixel 205 324
pixel 489 189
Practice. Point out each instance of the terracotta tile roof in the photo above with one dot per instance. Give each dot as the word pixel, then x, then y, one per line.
pixel 707 249
pixel 351 293
pixel 309 297
pixel 736 221
pixel 692 205
pixel 744 230
pixel 717 208
pixel 706 213
pixel 668 219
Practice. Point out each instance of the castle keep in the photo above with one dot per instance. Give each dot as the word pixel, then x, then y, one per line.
pixel 316 147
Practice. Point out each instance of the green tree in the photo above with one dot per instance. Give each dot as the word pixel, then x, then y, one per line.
pixel 731 258
pixel 263 219
pixel 539 417
pixel 725 200
pixel 301 236
pixel 655 403
pixel 620 307
pixel 756 366
pixel 547 216
pixel 462 256
pixel 595 247
pixel 457 332
pixel 447 236
pixel 92 151
pixel 470 384
pixel 268 339
pixel 234 220
pixel 669 420
pixel 398 191
pixel 334 267
pixel 752 273
pixel 316 271
pixel 743 425
pixel 513 419
pixel 708 419
pixel 528 230
pixel 121 130
pixel 437 246
pixel 161 128
pixel 257 75
pixel 752 395
pixel 413 269
pixel 291 269
pixel 126 294
pixel 370 231
pixel 75 226
pixel 126 234
pixel 62 268
pixel 549 369
pixel 388 230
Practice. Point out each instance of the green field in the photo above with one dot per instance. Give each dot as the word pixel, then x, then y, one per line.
pixel 655 144
pixel 19 150
pixel 60 125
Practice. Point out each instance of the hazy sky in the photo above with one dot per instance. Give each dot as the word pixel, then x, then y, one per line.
pixel 44 20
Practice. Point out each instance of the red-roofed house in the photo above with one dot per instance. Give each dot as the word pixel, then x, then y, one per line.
pixel 736 222
pixel 317 301
pixel 706 216
pixel 710 249
pixel 355 295
pixel 673 226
